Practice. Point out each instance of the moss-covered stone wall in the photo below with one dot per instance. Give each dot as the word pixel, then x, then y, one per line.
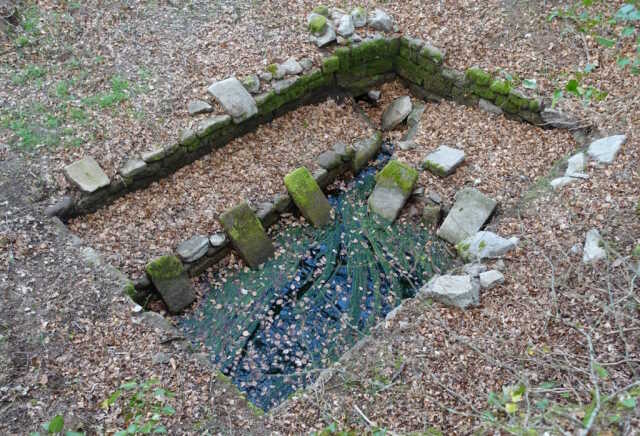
pixel 351 69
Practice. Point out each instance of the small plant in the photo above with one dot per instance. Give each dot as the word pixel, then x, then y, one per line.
pixel 520 410
pixel 143 407
pixel 56 426
pixel 118 94
pixel 611 29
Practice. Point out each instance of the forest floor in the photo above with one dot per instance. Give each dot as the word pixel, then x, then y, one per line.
pixel 556 347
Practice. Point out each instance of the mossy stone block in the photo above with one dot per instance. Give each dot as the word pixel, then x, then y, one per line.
pixel 535 105
pixel 394 185
pixel 500 86
pixel 437 84
pixel 344 55
pixel 308 196
pixel 398 174
pixel 478 76
pixel 357 85
pixel 518 99
pixel 317 24
pixel 188 139
pixel 429 53
pixel 410 48
pixel 330 64
pixel 376 48
pixel 409 70
pixel 247 234
pixel 483 91
pixel 372 68
pixel 365 150
pixel 170 279
pixel 212 124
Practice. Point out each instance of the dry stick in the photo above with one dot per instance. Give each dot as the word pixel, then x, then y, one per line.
pixel 367 420
pixel 594 380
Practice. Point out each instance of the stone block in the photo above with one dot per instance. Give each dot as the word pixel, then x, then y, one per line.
pixel 394 185
pixel 86 174
pixel 470 211
pixel 171 281
pixel 308 196
pixel 247 234
pixel 234 98
pixel 365 150
pixel 444 160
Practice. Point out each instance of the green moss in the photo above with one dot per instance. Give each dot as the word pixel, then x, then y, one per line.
pixel 344 54
pixel 254 409
pixel 534 105
pixel 636 252
pixel 263 101
pixel 398 174
pixel 430 53
pixel 372 68
pixel 188 138
pixel 500 86
pixel 164 268
pixel 130 290
pixel 478 76
pixel 482 244
pixel 321 10
pixel 483 92
pixel 377 48
pixel 273 68
pixel 250 82
pixel 409 70
pixel 247 234
pixel 223 378
pixel 437 84
pixel 462 248
pixel 301 186
pixel 518 99
pixel 330 64
pixel 317 24
pixel 357 85
pixel 436 169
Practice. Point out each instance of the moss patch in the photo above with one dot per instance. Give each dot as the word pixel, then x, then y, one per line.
pixel 500 86
pixel 478 76
pixel 301 185
pixel 307 196
pixel 272 68
pixel 398 174
pixel 247 234
pixel 436 169
pixel 317 24
pixel 431 53
pixel 321 10
pixel 130 290
pixel 330 64
pixel 164 268
pixel 409 70
pixel 484 92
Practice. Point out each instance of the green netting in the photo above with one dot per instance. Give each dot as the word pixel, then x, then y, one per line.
pixel 272 329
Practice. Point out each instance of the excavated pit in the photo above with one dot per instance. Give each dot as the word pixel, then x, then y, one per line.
pixel 273 329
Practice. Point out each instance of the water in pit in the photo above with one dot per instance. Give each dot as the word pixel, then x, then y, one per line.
pixel 271 330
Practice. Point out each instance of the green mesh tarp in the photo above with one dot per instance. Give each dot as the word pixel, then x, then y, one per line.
pixel 271 330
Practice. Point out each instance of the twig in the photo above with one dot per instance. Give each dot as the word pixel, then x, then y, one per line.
pixel 367 420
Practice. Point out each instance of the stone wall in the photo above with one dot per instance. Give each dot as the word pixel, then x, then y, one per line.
pixel 353 70
pixel 333 164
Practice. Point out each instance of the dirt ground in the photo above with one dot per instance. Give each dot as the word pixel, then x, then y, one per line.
pixel 111 79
